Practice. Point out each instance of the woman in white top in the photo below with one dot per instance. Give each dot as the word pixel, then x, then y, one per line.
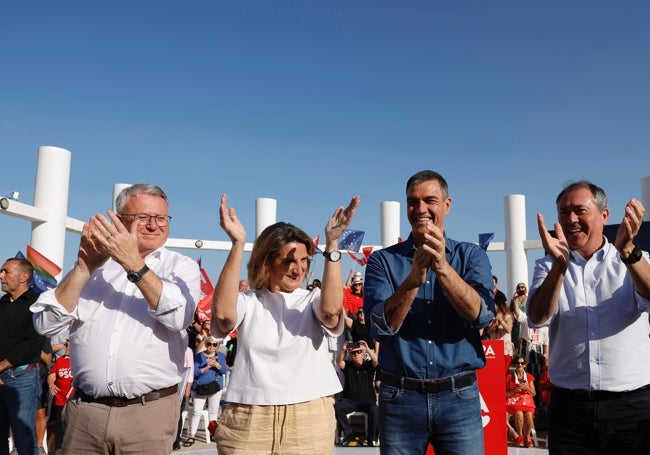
pixel 279 395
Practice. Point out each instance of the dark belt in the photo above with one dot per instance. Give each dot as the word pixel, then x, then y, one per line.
pixel 428 385
pixel 120 402
pixel 29 366
pixel 597 395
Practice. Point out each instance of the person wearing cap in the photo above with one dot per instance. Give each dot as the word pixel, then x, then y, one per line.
pixel 353 295
pixel 358 390
pixel 280 392
pixel 426 300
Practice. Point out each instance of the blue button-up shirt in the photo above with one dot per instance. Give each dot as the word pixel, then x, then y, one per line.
pixel 433 341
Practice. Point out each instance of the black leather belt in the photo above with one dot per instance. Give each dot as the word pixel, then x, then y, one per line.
pixel 120 402
pixel 428 385
pixel 597 395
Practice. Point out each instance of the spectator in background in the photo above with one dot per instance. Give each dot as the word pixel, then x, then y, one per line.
pixel 316 283
pixel 426 300
pixel 284 367
pixel 595 297
pixel 127 301
pixel 203 334
pixel 353 294
pixel 231 349
pixel 520 332
pixel 243 285
pixel 520 403
pixel 40 425
pixel 184 389
pixel 358 330
pixel 59 382
pixel 20 349
pixel 209 369
pixel 501 326
pixel 358 390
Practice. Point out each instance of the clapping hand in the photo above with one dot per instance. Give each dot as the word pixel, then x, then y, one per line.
pixel 558 247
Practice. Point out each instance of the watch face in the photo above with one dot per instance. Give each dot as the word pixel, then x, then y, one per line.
pixel 333 256
pixel 133 277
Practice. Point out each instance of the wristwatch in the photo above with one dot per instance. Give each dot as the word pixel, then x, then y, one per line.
pixel 332 256
pixel 134 277
pixel 634 257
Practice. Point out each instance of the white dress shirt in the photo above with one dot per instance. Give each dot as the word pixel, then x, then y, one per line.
pixel 599 333
pixel 119 345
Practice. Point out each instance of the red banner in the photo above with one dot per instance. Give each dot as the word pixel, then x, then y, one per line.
pixel 492 387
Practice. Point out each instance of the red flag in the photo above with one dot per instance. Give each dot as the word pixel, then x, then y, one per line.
pixel 316 240
pixel 204 307
pixel 361 261
pixel 367 251
pixel 206 285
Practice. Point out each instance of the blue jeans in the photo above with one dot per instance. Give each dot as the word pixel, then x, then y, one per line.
pixel 19 398
pixel 449 420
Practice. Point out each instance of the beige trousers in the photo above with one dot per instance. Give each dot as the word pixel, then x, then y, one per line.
pixel 296 429
pixel 149 428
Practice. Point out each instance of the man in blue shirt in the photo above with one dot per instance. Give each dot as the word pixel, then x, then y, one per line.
pixel 427 299
pixel 595 297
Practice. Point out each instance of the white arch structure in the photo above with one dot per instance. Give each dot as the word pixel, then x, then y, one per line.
pixel 50 221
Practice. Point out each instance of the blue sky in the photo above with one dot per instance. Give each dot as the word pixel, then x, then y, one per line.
pixel 312 102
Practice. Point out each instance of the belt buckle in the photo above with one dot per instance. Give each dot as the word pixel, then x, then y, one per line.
pixel 116 402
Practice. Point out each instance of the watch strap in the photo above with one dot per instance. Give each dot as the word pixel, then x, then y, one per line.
pixel 634 257
pixel 134 277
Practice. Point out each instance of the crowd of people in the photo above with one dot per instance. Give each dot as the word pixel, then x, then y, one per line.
pixel 120 336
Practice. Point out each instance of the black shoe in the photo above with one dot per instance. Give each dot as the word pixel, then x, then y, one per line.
pixel 177 445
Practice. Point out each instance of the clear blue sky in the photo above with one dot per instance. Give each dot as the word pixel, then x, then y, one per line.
pixel 311 102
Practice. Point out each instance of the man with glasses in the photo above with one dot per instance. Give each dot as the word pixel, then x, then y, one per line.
pixel 358 391
pixel 595 297
pixel 127 301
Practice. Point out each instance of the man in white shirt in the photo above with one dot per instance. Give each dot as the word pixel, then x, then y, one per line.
pixel 128 300
pixel 595 297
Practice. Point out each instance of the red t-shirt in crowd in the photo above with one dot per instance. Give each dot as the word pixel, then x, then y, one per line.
pixel 63 381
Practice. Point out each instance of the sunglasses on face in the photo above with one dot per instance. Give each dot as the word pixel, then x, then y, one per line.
pixel 355 352
pixel 520 363
pixel 212 344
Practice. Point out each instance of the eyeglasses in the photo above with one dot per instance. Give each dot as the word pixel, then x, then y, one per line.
pixel 520 363
pixel 355 352
pixel 357 284
pixel 212 344
pixel 143 218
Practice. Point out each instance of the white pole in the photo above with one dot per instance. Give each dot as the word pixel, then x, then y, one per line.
pixel 515 219
pixel 265 212
pixel 389 223
pixel 51 194
pixel 645 197
pixel 117 189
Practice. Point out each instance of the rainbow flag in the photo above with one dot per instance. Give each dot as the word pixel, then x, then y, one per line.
pixel 44 270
